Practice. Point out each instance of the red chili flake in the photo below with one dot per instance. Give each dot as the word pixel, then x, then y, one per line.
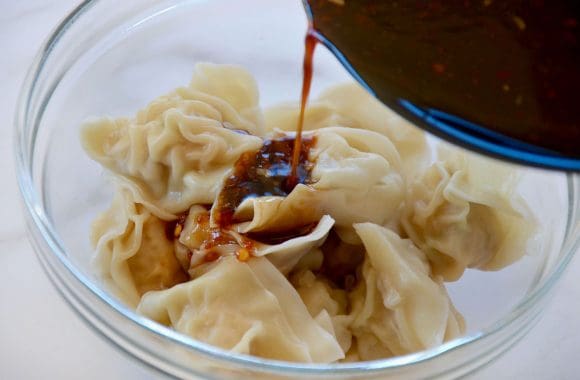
pixel 438 68
pixel 551 93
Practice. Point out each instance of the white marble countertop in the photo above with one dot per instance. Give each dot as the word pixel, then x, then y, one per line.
pixel 41 338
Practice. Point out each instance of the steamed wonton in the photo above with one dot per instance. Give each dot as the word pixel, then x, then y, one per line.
pixel 325 302
pixel 133 254
pixel 463 213
pixel 248 308
pixel 398 308
pixel 177 150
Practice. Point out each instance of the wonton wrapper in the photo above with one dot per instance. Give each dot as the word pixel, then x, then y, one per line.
pixel 398 308
pixel 284 255
pixel 326 303
pixel 177 150
pixel 287 254
pixel 463 213
pixel 133 254
pixel 354 180
pixel 248 308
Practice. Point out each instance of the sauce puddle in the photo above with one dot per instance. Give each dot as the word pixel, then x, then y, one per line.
pixel 274 170
pixel 265 172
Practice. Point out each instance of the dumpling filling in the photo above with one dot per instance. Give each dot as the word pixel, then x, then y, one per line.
pixel 206 235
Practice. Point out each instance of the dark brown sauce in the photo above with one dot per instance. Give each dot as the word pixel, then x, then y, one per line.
pixel 309 46
pixel 255 174
pixel 509 66
pixel 264 173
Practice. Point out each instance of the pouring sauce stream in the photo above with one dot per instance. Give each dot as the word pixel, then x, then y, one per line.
pixel 309 46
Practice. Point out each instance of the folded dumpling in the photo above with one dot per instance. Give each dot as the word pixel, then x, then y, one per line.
pixel 132 252
pixel 287 254
pixel 232 90
pixel 200 239
pixel 355 178
pixel 464 213
pixel 397 307
pixel 248 308
pixel 177 150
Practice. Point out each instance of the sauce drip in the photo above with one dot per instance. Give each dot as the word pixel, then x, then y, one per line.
pixel 309 46
pixel 267 172
pixel 505 72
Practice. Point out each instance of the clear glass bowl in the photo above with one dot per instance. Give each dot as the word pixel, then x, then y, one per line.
pixel 112 57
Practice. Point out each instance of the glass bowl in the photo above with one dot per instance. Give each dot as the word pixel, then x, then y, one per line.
pixel 111 58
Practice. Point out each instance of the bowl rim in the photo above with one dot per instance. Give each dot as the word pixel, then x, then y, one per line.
pixel 38 221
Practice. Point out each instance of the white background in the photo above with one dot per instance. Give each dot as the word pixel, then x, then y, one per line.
pixel 40 337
